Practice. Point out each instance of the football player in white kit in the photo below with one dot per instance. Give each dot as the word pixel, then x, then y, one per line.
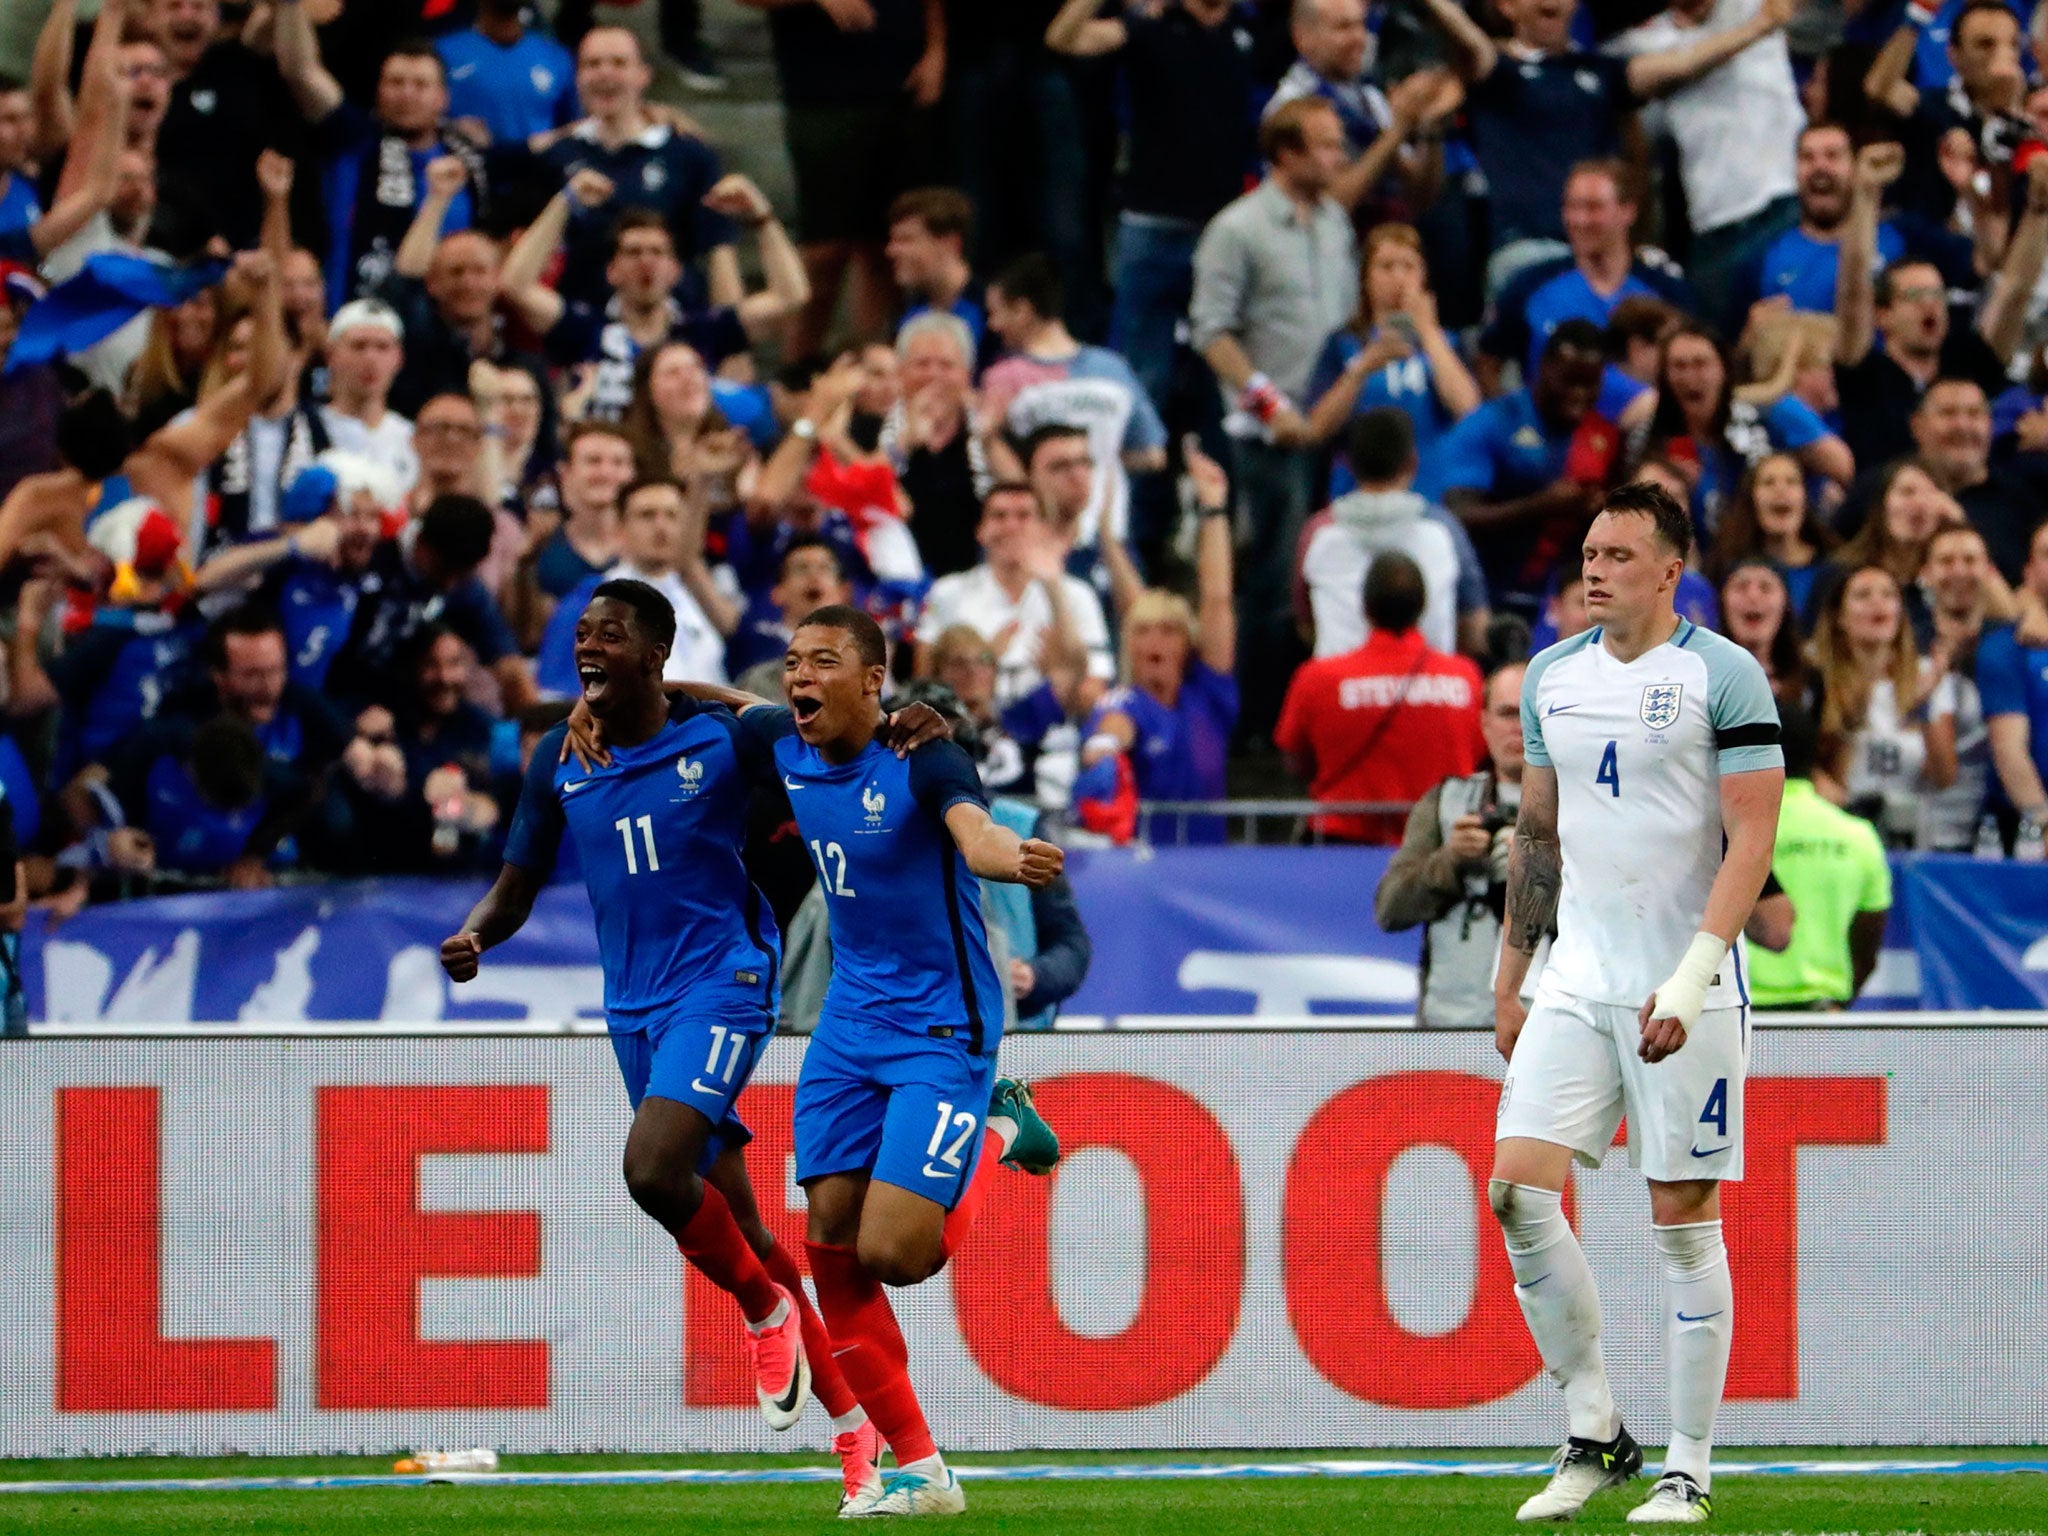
pixel 1649 811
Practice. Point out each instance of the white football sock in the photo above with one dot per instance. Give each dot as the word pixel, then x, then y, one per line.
pixel 932 1466
pixel 850 1420
pixel 1554 1284
pixel 1699 1328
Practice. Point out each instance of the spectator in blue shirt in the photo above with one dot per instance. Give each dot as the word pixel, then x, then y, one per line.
pixel 248 678
pixel 650 163
pixel 1394 354
pixel 1601 271
pixel 2012 679
pixel 1799 266
pixel 1505 470
pixel 643 277
pixel 1178 703
pixel 929 232
pixel 210 806
pixel 1536 106
pixel 511 80
pixel 1700 422
pixel 374 165
pixel 19 206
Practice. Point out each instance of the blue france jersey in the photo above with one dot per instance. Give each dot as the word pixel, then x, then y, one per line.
pixel 909 948
pixel 657 836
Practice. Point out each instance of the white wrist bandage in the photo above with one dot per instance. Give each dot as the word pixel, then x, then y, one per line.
pixel 1685 993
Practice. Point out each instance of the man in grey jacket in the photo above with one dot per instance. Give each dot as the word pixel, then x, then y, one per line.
pixel 1451 870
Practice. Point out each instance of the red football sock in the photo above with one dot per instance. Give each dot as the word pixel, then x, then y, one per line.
pixel 713 1242
pixel 961 1217
pixel 871 1350
pixel 827 1385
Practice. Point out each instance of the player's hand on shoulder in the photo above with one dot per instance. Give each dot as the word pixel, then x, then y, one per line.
pixel 912 726
pixel 584 741
pixel 460 954
pixel 1039 863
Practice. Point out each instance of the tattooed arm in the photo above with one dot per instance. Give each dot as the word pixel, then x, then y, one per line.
pixel 1535 874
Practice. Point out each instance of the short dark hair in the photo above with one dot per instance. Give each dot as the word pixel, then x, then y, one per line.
pixel 1799 739
pixel 459 530
pixel 579 430
pixel 638 218
pixel 1579 335
pixel 641 483
pixel 227 763
pixel 1981 8
pixel 1031 280
pixel 944 211
pixel 867 634
pixel 1642 499
pixel 1008 488
pixel 93 437
pixel 1286 126
pixel 1380 445
pixel 1639 317
pixel 805 541
pixel 1394 593
pixel 416 48
pixel 1619 173
pixel 1944 381
pixel 655 614
pixel 1884 288
pixel 1038 437
pixel 251 618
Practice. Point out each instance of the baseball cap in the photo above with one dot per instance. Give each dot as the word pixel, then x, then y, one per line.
pixel 366 312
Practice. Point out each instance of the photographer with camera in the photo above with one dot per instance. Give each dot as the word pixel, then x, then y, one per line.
pixel 1451 870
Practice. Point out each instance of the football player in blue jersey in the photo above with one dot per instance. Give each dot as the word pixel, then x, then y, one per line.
pixel 899 1087
pixel 689 950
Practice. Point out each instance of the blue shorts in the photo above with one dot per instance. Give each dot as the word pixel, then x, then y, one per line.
pixel 904 1108
pixel 700 1055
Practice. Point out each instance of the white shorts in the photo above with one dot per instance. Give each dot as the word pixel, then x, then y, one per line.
pixel 1576 1072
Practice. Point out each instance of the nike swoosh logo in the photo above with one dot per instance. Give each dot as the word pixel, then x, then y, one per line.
pixel 787 1403
pixel 1559 709
pixel 462 72
pixel 789 783
pixel 844 1349
pixel 571 788
pixel 937 1173
pixel 1538 1281
pixel 1711 1151
pixel 698 1085
pixel 1683 1318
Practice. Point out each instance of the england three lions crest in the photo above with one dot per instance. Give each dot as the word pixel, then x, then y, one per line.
pixel 1659 709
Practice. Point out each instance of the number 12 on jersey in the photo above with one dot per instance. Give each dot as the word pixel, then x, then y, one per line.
pixel 831 861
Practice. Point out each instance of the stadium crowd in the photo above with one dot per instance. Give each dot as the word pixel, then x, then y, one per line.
pixel 1109 355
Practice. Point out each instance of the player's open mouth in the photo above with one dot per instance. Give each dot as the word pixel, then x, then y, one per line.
pixel 592 678
pixel 805 707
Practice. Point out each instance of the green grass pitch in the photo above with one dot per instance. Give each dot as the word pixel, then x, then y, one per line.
pixel 1399 1506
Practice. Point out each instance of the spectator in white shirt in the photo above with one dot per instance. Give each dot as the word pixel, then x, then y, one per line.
pixel 1022 602
pixel 365 350
pixel 1340 544
pixel 1736 128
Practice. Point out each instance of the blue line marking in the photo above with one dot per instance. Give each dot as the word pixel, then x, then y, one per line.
pixel 1131 1472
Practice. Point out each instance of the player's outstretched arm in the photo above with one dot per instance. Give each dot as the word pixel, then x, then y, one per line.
pixel 1535 878
pixel 1749 820
pixel 994 852
pixel 502 913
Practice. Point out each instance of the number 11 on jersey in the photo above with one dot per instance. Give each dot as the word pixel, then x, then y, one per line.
pixel 624 827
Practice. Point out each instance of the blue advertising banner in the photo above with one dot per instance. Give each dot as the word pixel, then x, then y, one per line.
pixel 1273 932
pixel 1981 931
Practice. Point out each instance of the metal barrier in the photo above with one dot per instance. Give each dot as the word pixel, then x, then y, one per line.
pixel 1171 822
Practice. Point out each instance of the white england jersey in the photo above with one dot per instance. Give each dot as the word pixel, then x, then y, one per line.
pixel 1639 748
